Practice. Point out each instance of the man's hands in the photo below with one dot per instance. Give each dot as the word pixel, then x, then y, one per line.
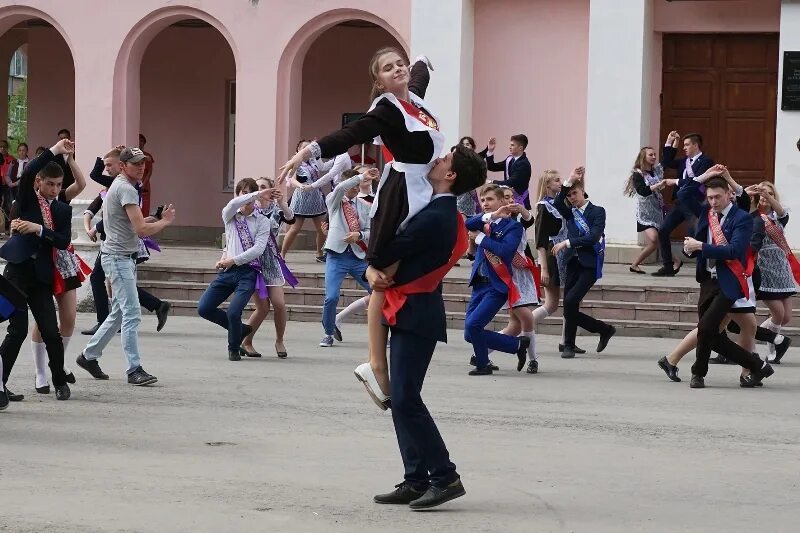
pixel 558 247
pixel 92 233
pixel 352 237
pixel 372 174
pixel 225 264
pixel 267 195
pixel 692 245
pixel 168 214
pixel 673 137
pixel 492 144
pixel 378 280
pixel 24 227
pixel 64 146
pixel 658 186
pixel 577 175
pixel 505 211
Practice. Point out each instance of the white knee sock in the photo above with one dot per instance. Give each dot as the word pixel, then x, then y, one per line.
pixel 39 352
pixel 539 314
pixel 532 355
pixel 65 340
pixel 359 305
pixel 772 326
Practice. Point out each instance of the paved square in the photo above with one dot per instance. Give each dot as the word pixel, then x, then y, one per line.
pixel 598 443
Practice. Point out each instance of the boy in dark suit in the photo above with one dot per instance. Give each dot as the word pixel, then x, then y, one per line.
pixel 516 168
pixel 721 245
pixel 497 235
pixel 586 223
pixel 414 310
pixel 694 164
pixel 44 223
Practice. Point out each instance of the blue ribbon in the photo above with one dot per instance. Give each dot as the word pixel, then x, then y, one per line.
pixel 599 248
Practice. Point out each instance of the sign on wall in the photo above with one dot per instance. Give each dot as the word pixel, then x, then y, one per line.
pixel 790 98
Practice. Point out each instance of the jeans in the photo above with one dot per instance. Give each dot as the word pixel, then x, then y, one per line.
pixel 121 269
pixel 239 281
pixel 100 295
pixel 337 267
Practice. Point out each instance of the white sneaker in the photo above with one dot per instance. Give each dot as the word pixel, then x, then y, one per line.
pixel 365 375
pixel 326 342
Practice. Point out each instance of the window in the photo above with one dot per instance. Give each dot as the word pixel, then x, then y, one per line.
pixel 230 136
pixel 19 65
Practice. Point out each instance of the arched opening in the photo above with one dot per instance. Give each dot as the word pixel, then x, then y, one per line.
pixel 175 82
pixel 40 90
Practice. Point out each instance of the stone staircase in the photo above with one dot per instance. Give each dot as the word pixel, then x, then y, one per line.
pixel 638 311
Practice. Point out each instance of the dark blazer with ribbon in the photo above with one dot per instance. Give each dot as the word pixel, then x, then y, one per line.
pixel 421 251
pixel 738 229
pixel 516 174
pixel 502 242
pixel 582 245
pixel 20 247
pixel 699 166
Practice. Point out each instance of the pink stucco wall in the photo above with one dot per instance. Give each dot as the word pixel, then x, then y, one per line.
pixel 530 77
pixel 340 83
pixel 183 87
pixel 714 17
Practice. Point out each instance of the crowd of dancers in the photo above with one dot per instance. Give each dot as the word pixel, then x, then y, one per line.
pixel 397 231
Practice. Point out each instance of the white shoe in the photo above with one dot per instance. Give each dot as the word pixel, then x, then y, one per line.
pixel 365 375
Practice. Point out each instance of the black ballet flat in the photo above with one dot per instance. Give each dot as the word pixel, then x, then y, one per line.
pixel 245 353
pixel 637 270
pixel 43 390
pixel 676 270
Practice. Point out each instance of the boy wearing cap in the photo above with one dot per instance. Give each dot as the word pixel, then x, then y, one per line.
pixel 124 224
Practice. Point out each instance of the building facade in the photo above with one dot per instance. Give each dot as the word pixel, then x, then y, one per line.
pixel 223 89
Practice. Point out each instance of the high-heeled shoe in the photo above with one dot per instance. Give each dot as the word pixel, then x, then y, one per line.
pixel 282 354
pixel 365 375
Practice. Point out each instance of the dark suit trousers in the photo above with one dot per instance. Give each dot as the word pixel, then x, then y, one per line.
pixel 100 294
pixel 579 280
pixel 677 215
pixel 40 301
pixel 425 456
pixel 712 307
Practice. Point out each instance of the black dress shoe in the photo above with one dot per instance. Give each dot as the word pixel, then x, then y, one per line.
pixel 403 494
pixel 92 367
pixel 522 352
pixel 763 373
pixel 747 382
pixel 720 360
pixel 337 334
pixel 438 495
pixel 14 397
pixel 575 349
pixel 665 271
pixel 474 362
pixel 163 314
pixel 91 331
pixel 568 352
pixel 62 392
pixel 669 369
pixel 3 400
pixel 234 355
pixel 43 390
pixel 697 383
pixel 70 378
pixel 605 337
pixel 533 367
pixel 780 350
pixel 484 371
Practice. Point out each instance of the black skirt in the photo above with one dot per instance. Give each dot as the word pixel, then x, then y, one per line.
pixel 552 269
pixel 392 210
pixel 641 227
pixel 764 295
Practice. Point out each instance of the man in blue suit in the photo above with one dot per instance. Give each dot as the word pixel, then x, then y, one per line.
pixel 694 164
pixel 497 235
pixel 720 263
pixel 516 168
pixel 586 223
pixel 423 248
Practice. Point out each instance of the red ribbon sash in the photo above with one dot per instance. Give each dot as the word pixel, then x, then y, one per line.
pixel 83 270
pixel 742 272
pixel 775 233
pixel 420 115
pixel 351 217
pixel 395 297
pixel 523 261
pixel 504 274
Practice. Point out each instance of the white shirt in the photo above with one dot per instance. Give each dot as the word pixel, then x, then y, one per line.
pixel 711 264
pixel 487 217
pixel 337 223
pixel 339 164
pixel 257 224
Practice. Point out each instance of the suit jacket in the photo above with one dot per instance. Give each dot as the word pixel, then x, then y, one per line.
pixel 337 227
pixel 19 247
pixel 517 176
pixel 700 165
pixel 421 251
pixel 582 245
pixel 738 230
pixel 503 242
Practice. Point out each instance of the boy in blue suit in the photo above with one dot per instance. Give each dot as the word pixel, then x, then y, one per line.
pixel 721 245
pixel 586 223
pixel 497 236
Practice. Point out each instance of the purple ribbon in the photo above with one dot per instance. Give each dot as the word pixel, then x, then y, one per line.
pixel 151 244
pixel 261 285
pixel 520 198
pixel 287 274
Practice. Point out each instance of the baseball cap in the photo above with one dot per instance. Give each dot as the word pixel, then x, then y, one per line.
pixel 132 155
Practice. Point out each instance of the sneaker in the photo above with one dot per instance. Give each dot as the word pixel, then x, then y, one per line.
pixel 320 258
pixel 139 377
pixel 91 366
pixel 533 367
pixel 326 342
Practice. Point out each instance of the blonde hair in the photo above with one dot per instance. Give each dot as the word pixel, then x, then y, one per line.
pixel 375 65
pixel 638 165
pixel 270 181
pixel 492 189
pixel 544 182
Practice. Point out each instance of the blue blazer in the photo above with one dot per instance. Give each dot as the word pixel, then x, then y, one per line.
pixel 421 251
pixel 700 165
pixel 738 229
pixel 582 245
pixel 503 242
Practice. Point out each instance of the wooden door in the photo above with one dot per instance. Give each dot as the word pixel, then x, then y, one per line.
pixel 724 86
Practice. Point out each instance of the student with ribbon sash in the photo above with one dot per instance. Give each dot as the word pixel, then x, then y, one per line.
pixel 497 235
pixel 240 271
pixel 346 244
pixel 40 235
pixel 725 261
pixel 275 271
pixel 586 223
